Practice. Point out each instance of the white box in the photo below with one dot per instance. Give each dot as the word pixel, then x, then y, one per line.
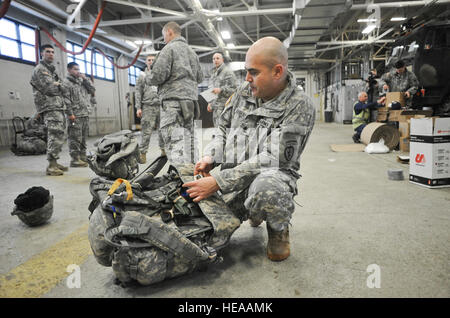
pixel 429 153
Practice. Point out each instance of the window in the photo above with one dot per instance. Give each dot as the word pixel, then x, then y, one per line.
pixel 133 74
pixel 17 41
pixel 102 68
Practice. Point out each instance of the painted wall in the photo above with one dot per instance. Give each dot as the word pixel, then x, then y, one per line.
pixel 16 98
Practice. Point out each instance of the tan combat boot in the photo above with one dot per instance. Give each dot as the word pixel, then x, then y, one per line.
pixel 163 152
pixel 61 167
pixel 52 169
pixel 77 163
pixel 278 247
pixel 142 158
pixel 83 158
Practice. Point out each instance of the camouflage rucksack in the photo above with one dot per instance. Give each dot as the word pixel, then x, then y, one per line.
pixel 149 230
pixel 116 156
pixel 30 137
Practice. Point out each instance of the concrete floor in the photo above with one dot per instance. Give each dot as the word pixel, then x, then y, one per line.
pixel 351 216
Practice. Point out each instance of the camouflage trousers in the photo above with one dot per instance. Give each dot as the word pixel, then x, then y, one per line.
pixel 177 133
pixel 78 132
pixel 216 115
pixel 149 123
pixel 269 197
pixel 55 122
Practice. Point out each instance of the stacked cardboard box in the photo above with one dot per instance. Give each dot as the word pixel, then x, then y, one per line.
pixel 430 152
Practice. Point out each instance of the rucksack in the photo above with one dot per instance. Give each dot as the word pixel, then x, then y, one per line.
pixel 116 156
pixel 149 230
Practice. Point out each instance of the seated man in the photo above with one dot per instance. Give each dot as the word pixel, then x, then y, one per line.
pixel 361 114
pixel 269 121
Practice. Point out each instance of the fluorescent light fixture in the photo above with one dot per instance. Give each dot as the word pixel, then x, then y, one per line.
pixel 231 46
pixel 398 19
pixel 369 28
pixel 131 43
pixel 226 34
pixel 367 20
pixel 139 42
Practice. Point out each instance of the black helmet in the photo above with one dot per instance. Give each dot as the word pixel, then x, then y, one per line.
pixel 34 207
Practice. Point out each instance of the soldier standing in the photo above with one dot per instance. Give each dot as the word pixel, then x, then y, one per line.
pixel 78 91
pixel 47 93
pixel 224 84
pixel 147 105
pixel 401 80
pixel 176 71
pixel 274 121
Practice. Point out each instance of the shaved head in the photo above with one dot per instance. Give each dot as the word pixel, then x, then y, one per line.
pixel 267 70
pixel 271 50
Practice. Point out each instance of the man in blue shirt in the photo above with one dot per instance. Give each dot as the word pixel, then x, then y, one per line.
pixel 361 114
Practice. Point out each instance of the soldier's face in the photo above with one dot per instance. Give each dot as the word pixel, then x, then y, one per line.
pixel 149 61
pixel 401 70
pixel 217 59
pixel 48 55
pixel 75 71
pixel 262 78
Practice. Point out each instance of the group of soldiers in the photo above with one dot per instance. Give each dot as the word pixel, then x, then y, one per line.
pixel 261 127
pixel 60 103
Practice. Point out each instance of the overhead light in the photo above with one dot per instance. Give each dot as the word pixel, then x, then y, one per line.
pixel 398 19
pixel 231 46
pixel 131 43
pixel 367 20
pixel 139 42
pixel 226 34
pixel 369 28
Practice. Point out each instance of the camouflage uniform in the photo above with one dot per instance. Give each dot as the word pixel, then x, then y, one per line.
pixel 176 71
pixel 147 99
pixel 260 180
pixel 405 82
pixel 77 97
pixel 47 93
pixel 223 78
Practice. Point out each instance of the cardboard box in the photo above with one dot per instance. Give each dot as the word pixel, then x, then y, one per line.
pixel 404 115
pixel 382 115
pixel 395 97
pixel 430 152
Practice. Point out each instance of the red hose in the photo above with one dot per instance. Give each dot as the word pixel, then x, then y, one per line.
pixel 88 41
pixel 4 8
pixel 112 61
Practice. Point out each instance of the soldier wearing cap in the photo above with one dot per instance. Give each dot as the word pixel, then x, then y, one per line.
pixel 400 80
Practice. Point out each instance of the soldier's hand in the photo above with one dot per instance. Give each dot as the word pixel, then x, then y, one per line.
pixel 204 166
pixel 209 108
pixel 82 76
pixel 407 94
pixel 139 113
pixel 72 117
pixel 202 188
pixel 216 90
pixel 385 87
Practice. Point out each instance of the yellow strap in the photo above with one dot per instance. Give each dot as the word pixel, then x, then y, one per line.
pixel 117 183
